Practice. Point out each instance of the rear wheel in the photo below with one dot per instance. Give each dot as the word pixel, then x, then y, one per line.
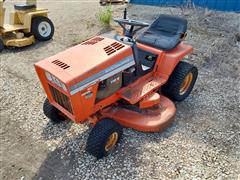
pixel 52 113
pixel 42 28
pixel 1 45
pixel 103 138
pixel 181 82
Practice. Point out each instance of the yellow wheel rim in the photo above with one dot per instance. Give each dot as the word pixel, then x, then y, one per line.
pixel 111 142
pixel 186 83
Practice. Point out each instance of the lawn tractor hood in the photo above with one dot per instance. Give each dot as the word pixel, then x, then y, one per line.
pixel 86 62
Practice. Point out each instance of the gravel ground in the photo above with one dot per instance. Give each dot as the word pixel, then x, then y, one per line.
pixel 202 143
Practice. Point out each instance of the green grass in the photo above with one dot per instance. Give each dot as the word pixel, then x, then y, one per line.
pixel 105 15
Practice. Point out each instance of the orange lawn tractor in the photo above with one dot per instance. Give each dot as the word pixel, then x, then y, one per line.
pixel 123 81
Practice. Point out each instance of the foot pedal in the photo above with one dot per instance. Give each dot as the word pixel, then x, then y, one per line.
pixel 141 89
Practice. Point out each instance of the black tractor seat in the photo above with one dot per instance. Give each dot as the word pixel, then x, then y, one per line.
pixel 24 6
pixel 165 33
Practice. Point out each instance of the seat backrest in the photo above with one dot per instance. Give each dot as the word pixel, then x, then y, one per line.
pixel 167 24
pixel 24 6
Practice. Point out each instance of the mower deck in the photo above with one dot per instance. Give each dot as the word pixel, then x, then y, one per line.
pixel 147 120
pixel 25 41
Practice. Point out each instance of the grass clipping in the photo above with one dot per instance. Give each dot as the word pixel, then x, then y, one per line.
pixel 105 16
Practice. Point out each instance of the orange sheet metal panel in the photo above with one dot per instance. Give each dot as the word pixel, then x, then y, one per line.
pixel 172 58
pixel 83 103
pixel 85 59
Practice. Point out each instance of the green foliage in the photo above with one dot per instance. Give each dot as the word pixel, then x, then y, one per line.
pixel 105 15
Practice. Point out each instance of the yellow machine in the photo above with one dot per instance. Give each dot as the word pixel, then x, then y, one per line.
pixel 27 23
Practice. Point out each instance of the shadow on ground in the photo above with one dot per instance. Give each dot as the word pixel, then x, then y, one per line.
pixel 36 45
pixel 70 161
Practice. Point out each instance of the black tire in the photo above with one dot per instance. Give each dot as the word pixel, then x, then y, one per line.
pixel 52 113
pixel 173 88
pixel 1 45
pixel 99 136
pixel 42 28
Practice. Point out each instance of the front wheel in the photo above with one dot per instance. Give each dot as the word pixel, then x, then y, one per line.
pixel 103 138
pixel 181 82
pixel 52 113
pixel 42 28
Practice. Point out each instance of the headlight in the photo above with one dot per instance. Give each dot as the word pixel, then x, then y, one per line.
pixel 55 80
pixel 48 75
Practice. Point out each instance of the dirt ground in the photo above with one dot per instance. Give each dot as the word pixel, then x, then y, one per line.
pixel 202 143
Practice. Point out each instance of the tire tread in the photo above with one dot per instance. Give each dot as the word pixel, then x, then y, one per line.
pixel 34 29
pixel 172 87
pixel 99 134
pixel 51 112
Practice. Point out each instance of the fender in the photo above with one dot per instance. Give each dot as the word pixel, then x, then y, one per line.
pixel 30 15
pixel 168 59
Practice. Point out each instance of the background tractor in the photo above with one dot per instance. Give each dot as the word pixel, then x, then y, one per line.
pixel 27 23
pixel 120 81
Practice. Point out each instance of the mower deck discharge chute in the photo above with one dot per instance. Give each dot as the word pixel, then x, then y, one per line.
pixel 123 81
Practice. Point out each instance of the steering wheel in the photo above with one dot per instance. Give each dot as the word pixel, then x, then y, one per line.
pixel 133 23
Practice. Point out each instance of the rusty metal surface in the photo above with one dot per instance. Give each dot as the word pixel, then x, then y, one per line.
pixel 136 93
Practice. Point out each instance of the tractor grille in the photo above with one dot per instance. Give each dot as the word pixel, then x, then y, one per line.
pixel 61 99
